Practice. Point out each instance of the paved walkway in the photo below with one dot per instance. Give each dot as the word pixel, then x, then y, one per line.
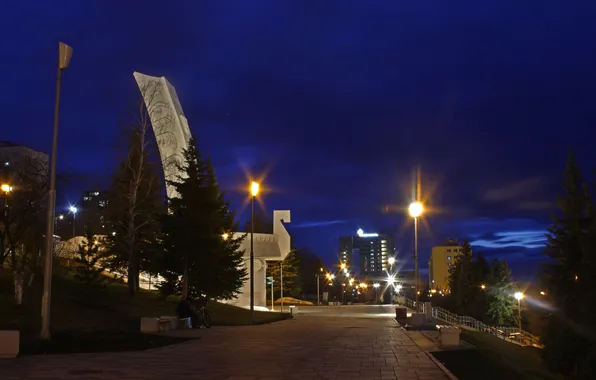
pixel 304 348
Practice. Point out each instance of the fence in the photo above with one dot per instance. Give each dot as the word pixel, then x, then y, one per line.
pixel 509 334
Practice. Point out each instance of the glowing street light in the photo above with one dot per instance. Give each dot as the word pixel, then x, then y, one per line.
pixel 391 260
pixel 6 188
pixel 398 287
pixel 415 210
pixel 343 265
pixel 225 236
pixel 254 191
pixel 483 287
pixel 519 296
pixel 254 188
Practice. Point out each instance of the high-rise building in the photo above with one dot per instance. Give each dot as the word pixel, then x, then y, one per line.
pixel 369 252
pixel 441 263
pixel 87 214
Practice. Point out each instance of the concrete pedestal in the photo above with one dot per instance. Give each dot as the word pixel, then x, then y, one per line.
pixel 149 325
pixel 9 344
pixel 449 336
pixel 418 320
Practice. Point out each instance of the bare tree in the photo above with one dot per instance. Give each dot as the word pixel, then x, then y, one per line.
pixel 22 217
pixel 135 202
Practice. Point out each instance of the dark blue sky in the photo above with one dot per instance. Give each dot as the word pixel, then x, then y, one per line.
pixel 337 100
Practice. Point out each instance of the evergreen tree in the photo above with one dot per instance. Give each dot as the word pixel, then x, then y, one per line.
pixel 309 267
pixel 195 247
pixel 88 263
pixel 135 207
pixel 500 304
pixel 292 285
pixel 479 300
pixel 567 278
pixel 461 279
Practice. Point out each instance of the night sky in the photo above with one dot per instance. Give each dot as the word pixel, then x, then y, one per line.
pixel 336 101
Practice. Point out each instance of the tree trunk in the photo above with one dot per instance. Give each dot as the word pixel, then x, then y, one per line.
pixel 19 278
pixel 185 279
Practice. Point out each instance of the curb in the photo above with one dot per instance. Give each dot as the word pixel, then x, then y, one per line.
pixel 441 366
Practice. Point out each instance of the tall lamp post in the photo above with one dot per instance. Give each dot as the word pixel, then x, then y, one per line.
pixel 73 210
pixel 415 210
pixel 254 190
pixel 519 296
pixel 64 55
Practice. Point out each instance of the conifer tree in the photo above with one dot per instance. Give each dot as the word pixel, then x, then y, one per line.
pixel 461 279
pixel 568 336
pixel 194 230
pixel 501 305
pixel 89 267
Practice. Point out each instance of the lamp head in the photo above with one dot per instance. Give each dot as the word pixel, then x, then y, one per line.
pixel 518 296
pixel 416 209
pixel 254 188
pixel 64 55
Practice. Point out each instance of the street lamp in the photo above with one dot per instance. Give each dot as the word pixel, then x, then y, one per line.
pixel 6 188
pixel 73 210
pixel 225 236
pixel 64 55
pixel 254 190
pixel 391 260
pixel 519 296
pixel 415 210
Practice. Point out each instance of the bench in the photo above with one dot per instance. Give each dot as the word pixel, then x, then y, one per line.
pixel 163 324
pixel 448 335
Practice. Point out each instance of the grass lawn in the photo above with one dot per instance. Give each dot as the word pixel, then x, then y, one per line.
pixel 108 322
pixel 494 359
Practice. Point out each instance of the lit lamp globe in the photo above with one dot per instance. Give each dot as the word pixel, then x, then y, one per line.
pixel 518 296
pixel 391 260
pixel 415 209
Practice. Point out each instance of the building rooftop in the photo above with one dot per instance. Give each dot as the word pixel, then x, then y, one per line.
pixel 449 243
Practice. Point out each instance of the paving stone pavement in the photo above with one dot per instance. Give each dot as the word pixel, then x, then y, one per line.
pixel 303 348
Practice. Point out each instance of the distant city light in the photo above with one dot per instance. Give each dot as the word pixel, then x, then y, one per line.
pixel 376 285
pixel 73 209
pixel 361 233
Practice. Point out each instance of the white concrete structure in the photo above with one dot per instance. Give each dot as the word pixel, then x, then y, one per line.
pixel 173 135
pixel 169 123
pixel 273 247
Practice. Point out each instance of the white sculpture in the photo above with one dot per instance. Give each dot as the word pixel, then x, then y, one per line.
pixel 275 247
pixel 169 123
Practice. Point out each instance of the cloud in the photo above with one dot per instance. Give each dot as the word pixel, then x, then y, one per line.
pixel 322 223
pixel 514 190
pixel 523 239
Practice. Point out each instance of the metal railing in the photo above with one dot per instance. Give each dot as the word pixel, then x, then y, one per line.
pixel 509 334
